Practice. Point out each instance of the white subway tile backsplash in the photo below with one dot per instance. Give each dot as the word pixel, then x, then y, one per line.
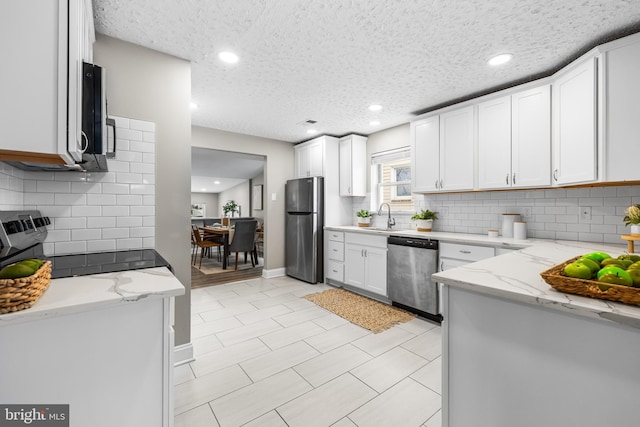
pixel 101 199
pixel 95 211
pixel 86 234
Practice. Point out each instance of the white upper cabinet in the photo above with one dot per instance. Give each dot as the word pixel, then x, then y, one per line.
pixel 442 152
pixel 494 143
pixel 574 124
pixel 353 171
pixel 514 140
pixel 425 154
pixel 56 39
pixel 457 150
pixel 310 158
pixel 621 123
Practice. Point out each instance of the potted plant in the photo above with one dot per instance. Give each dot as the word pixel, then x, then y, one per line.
pixel 632 218
pixel 364 218
pixel 229 208
pixel 424 219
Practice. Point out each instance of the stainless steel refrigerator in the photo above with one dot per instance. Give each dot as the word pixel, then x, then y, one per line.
pixel 303 229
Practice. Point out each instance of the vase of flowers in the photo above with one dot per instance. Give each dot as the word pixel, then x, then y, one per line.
pixel 632 218
pixel 363 217
pixel 229 208
pixel 424 219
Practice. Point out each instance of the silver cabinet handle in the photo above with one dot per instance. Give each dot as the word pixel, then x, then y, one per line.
pixel 335 271
pixel 464 252
pixel 441 185
pixel 436 183
pixel 441 266
pixel 513 180
pixel 334 250
pixel 555 175
pixel 349 190
pixel 506 179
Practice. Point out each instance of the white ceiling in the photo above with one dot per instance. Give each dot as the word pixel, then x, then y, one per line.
pixel 227 168
pixel 328 60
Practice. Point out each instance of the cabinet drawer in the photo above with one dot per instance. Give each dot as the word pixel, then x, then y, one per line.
pixel 366 240
pixel 336 251
pixel 465 252
pixel 335 271
pixel 335 236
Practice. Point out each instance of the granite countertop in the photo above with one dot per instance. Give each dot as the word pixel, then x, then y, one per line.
pixel 516 275
pixel 84 293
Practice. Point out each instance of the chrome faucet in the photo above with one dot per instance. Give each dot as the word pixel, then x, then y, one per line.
pixel 390 221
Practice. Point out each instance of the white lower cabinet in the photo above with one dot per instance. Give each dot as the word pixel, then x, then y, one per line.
pixel 334 255
pixel 365 262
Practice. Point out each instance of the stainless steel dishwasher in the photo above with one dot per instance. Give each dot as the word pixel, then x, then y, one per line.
pixel 410 264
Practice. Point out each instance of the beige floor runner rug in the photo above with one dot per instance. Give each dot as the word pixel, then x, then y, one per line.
pixel 365 312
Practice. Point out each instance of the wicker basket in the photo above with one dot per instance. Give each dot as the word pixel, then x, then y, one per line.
pixel 22 293
pixel 589 288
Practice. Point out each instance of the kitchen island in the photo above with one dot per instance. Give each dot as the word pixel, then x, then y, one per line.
pixel 517 352
pixel 101 343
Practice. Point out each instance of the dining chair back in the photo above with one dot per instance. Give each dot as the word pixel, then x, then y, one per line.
pixel 244 239
pixel 202 244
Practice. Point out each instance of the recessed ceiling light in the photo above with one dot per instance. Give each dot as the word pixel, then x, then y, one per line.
pixel 203 189
pixel 311 131
pixel 374 123
pixel 375 107
pixel 500 59
pixel 216 182
pixel 228 57
pixel 193 105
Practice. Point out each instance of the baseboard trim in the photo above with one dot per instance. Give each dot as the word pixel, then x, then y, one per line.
pixel 276 272
pixel 183 354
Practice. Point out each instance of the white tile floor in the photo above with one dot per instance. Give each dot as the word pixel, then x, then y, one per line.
pixel 265 356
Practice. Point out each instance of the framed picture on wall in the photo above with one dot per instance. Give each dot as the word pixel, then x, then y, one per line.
pixel 257 197
pixel 198 210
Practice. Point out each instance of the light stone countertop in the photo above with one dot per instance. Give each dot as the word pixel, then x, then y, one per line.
pixel 516 275
pixel 93 292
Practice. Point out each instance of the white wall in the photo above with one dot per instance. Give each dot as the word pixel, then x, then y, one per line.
pixel 278 169
pixel 148 85
pixel 11 184
pixel 239 194
pixel 212 206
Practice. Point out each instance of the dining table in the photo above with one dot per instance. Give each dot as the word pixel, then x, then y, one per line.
pixel 226 234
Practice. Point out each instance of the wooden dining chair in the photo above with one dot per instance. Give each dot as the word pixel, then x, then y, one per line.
pixel 203 244
pixel 244 239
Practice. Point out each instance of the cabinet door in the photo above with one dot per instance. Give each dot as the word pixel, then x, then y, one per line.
pixel 376 270
pixel 494 143
pixel 346 182
pixel 621 124
pixel 302 161
pixel 531 138
pixel 316 159
pixel 456 150
pixel 574 124
pixel 425 154
pixel 354 265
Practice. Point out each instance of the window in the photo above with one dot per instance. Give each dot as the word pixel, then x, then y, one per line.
pixel 391 179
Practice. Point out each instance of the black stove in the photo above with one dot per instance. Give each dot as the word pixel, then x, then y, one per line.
pixel 23 232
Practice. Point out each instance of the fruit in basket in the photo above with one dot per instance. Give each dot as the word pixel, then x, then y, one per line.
pixel 614 275
pixel 15 271
pixel 594 266
pixel 634 266
pixel 631 257
pixel 623 263
pixel 33 263
pixel 598 256
pixel 635 276
pixel 577 270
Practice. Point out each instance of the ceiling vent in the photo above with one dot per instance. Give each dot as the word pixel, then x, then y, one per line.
pixel 308 122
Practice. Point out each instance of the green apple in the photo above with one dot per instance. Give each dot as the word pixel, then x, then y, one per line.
pixel 635 276
pixel 579 271
pixel 631 257
pixel 624 263
pixel 594 266
pixel 614 274
pixel 598 256
pixel 634 266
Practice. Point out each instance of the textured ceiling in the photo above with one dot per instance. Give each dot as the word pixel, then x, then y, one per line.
pixel 328 60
